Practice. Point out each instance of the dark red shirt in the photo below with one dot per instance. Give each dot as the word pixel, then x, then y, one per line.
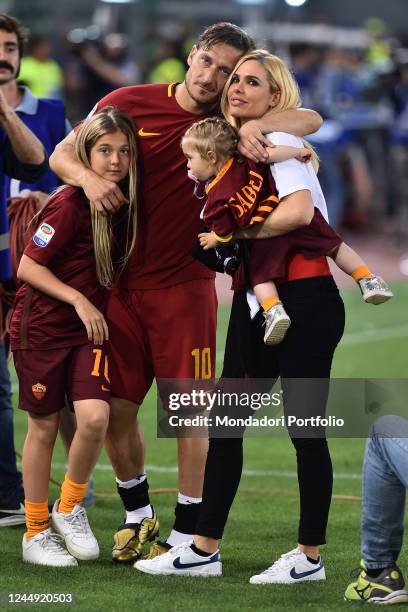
pixel 63 243
pixel 169 214
pixel 242 193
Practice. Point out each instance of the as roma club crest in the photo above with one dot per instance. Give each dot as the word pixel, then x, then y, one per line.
pixel 39 391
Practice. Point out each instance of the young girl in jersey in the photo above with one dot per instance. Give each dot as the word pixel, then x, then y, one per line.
pixel 59 335
pixel 241 194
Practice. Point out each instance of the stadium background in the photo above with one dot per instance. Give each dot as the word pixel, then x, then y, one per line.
pixel 354 70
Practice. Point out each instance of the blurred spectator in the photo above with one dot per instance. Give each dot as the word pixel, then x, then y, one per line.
pixel 94 69
pixel 305 62
pixel 170 67
pixel 399 149
pixel 39 71
pixel 379 51
pixel 352 93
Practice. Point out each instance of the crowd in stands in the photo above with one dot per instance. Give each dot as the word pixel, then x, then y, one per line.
pixel 361 93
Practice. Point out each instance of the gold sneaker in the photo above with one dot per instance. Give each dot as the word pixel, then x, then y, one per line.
pixel 129 539
pixel 156 549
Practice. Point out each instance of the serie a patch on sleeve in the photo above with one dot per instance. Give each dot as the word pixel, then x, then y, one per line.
pixel 43 235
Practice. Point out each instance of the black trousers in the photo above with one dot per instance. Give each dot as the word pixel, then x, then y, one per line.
pixel 317 313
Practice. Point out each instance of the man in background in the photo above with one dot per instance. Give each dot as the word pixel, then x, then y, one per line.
pixel 22 157
pixel 385 480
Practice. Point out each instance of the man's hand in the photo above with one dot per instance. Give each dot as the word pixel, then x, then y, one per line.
pixel 252 142
pixel 106 196
pixel 5 108
pixel 208 240
pixel 93 320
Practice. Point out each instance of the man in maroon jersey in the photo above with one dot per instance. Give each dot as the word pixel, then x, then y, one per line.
pixel 162 313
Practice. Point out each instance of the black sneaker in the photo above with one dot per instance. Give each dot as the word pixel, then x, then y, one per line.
pixel 12 511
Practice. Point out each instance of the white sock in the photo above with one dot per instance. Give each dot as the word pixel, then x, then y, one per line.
pixel 128 484
pixel 136 516
pixel 176 537
pixel 186 500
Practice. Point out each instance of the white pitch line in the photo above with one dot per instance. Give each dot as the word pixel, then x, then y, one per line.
pixel 363 337
pixel 106 467
pixel 374 334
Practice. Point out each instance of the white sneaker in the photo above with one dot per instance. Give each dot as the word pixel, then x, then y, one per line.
pixel 46 549
pixel 375 290
pixel 277 323
pixel 182 561
pixel 75 529
pixel 290 568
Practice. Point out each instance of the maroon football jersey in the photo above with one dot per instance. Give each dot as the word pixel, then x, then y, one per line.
pixel 63 243
pixel 242 193
pixel 169 214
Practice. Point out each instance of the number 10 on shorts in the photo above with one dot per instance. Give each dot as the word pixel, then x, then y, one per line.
pixel 97 364
pixel 202 363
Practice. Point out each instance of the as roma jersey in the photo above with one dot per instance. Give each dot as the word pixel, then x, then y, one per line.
pixel 242 193
pixel 62 242
pixel 169 214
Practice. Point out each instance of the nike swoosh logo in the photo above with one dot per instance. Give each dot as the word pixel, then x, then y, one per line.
pixel 296 576
pixel 104 388
pixel 178 565
pixel 141 132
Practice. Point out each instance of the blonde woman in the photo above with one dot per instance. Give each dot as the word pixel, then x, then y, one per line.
pixel 59 336
pixel 261 84
pixel 241 194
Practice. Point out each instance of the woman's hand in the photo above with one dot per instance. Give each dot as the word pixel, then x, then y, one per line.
pixel 93 320
pixel 208 240
pixel 252 142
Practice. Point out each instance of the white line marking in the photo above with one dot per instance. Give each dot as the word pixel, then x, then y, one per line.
pixel 106 467
pixel 372 334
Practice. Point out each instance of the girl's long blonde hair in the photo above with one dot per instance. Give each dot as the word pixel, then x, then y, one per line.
pixel 280 80
pixel 107 121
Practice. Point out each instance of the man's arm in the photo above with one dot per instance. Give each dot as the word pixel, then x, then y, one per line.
pixel 297 121
pixel 293 211
pixel 106 196
pixel 25 145
pixel 105 69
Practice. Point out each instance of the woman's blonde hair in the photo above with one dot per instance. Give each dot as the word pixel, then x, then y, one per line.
pixel 212 134
pixel 107 121
pixel 280 81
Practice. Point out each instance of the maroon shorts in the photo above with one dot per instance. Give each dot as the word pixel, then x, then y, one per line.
pixel 161 333
pixel 47 377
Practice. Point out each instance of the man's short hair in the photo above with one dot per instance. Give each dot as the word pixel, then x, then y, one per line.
pixel 227 34
pixel 12 25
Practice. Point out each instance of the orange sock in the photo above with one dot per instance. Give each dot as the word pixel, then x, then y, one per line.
pixel 361 272
pixel 37 518
pixel 72 494
pixel 267 303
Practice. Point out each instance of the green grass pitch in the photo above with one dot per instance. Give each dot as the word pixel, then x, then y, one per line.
pixel 263 520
